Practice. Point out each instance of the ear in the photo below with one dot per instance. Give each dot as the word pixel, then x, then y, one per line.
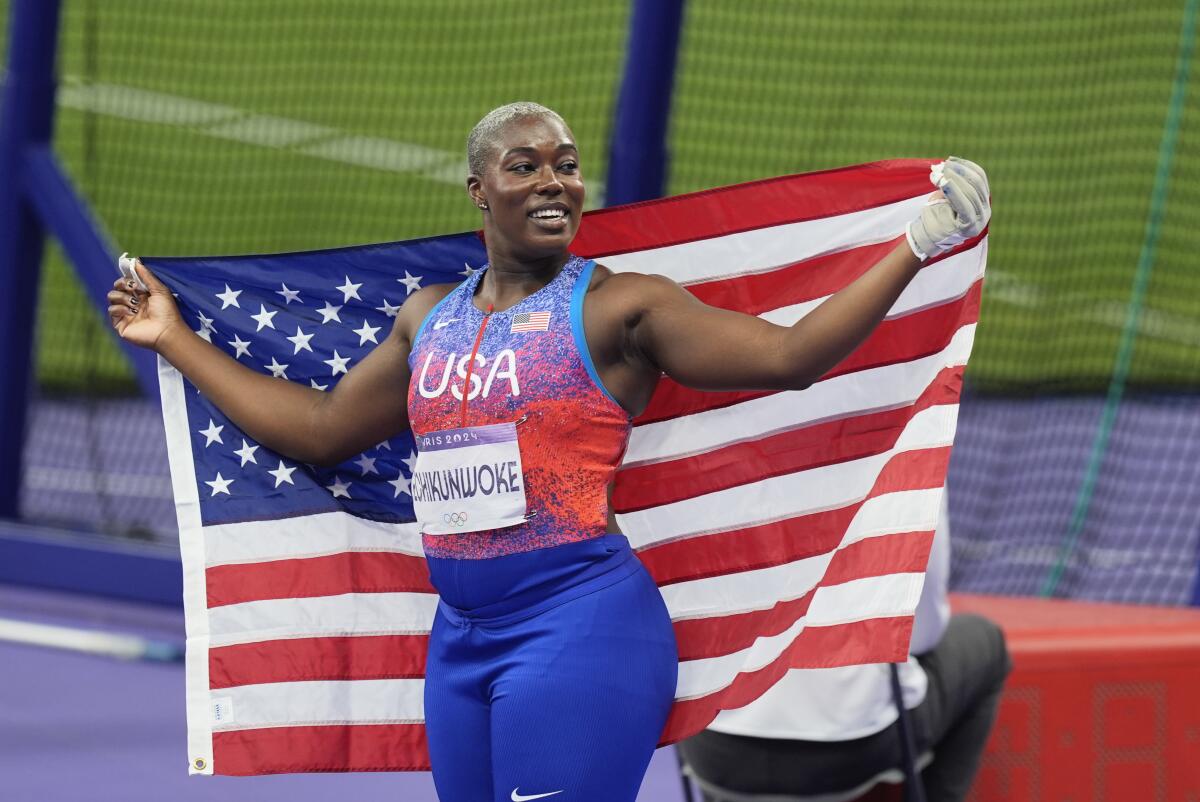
pixel 475 191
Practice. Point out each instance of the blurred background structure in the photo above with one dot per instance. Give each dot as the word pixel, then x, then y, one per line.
pixel 219 127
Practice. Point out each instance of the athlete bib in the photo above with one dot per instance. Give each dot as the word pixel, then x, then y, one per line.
pixel 468 480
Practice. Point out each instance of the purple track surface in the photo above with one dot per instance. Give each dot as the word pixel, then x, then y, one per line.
pixel 79 728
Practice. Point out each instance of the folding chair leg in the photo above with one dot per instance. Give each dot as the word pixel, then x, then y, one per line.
pixel 688 795
pixel 914 790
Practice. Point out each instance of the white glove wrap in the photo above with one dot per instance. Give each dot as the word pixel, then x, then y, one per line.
pixel 950 221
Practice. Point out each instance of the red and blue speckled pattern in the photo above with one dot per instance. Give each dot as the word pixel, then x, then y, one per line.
pixel 574 434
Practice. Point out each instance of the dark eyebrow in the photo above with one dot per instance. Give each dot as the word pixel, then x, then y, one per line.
pixel 528 149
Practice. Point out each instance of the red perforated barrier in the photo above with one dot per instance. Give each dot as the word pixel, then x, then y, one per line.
pixel 1103 703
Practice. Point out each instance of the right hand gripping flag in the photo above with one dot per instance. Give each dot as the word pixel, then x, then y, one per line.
pixel 784 529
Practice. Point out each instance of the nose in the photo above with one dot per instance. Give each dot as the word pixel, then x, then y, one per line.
pixel 548 182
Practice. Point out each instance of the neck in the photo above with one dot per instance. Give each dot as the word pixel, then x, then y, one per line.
pixel 509 280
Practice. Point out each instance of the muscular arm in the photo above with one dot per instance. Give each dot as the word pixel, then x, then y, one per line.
pixel 367 406
pixel 308 425
pixel 708 348
pixel 715 349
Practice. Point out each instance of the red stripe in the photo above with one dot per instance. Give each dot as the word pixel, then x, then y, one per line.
pixel 347 572
pixel 340 747
pixel 714 636
pixel 825 443
pixel 876 640
pixel 332 658
pixel 901 553
pixel 791 539
pixel 901 339
pixel 698 638
pixel 792 283
pixel 749 206
pixel 799 282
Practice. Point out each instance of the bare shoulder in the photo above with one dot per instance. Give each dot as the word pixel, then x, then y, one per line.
pixel 630 292
pixel 417 307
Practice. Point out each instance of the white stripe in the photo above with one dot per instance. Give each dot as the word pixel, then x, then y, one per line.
pixel 937 284
pixel 704 676
pixel 191 549
pixel 360 701
pixel 316 535
pixel 861 599
pixel 875 597
pixel 763 588
pixel 765 249
pixel 848 395
pixel 942 281
pixel 745 591
pixel 323 616
pixel 787 496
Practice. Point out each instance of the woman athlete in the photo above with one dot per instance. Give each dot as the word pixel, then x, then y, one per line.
pixel 552 663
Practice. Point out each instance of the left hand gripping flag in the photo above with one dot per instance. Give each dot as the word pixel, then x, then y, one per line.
pixel 784 529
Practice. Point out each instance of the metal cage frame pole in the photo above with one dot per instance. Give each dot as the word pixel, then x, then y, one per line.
pixel 638 156
pixel 37 198
pixel 26 118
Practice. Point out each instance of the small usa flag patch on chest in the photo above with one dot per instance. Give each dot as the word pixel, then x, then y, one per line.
pixel 531 321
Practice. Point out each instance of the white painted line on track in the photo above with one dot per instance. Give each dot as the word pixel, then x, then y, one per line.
pixel 240 125
pixel 270 131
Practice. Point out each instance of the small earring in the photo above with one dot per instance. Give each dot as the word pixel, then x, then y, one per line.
pixel 482 206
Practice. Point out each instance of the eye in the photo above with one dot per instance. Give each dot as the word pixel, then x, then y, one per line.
pixel 522 167
pixel 570 166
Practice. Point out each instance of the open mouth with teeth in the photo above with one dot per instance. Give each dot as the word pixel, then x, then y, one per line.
pixel 550 216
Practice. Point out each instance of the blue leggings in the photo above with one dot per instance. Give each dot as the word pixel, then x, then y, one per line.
pixel 550 675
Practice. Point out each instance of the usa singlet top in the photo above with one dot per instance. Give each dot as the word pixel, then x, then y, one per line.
pixel 532 367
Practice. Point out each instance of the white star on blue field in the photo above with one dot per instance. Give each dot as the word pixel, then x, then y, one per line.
pixel 307 318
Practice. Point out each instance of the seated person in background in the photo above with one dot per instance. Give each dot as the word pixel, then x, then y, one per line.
pixel 824 731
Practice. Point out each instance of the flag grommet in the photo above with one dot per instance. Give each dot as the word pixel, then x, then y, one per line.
pixel 200 764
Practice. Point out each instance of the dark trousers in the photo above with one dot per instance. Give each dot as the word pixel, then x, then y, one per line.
pixel 966 672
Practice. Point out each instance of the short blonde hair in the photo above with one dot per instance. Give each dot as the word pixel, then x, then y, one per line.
pixel 479 141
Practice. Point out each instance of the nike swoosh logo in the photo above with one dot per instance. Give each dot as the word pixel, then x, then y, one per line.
pixel 441 324
pixel 516 797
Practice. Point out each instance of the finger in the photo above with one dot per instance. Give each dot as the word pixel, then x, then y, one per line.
pixel 963 196
pixel 149 278
pixel 973 172
pixel 960 162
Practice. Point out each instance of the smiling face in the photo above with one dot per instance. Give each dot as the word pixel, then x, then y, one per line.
pixel 533 188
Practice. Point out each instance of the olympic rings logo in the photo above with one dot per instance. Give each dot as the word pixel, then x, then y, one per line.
pixel 455 518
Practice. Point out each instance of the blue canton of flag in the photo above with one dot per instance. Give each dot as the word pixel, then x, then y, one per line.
pixel 307 318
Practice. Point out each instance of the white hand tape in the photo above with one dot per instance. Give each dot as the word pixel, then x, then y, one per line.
pixel 936 174
pixel 125 265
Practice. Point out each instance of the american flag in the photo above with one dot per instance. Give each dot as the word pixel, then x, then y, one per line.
pixel 784 529
pixel 531 321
